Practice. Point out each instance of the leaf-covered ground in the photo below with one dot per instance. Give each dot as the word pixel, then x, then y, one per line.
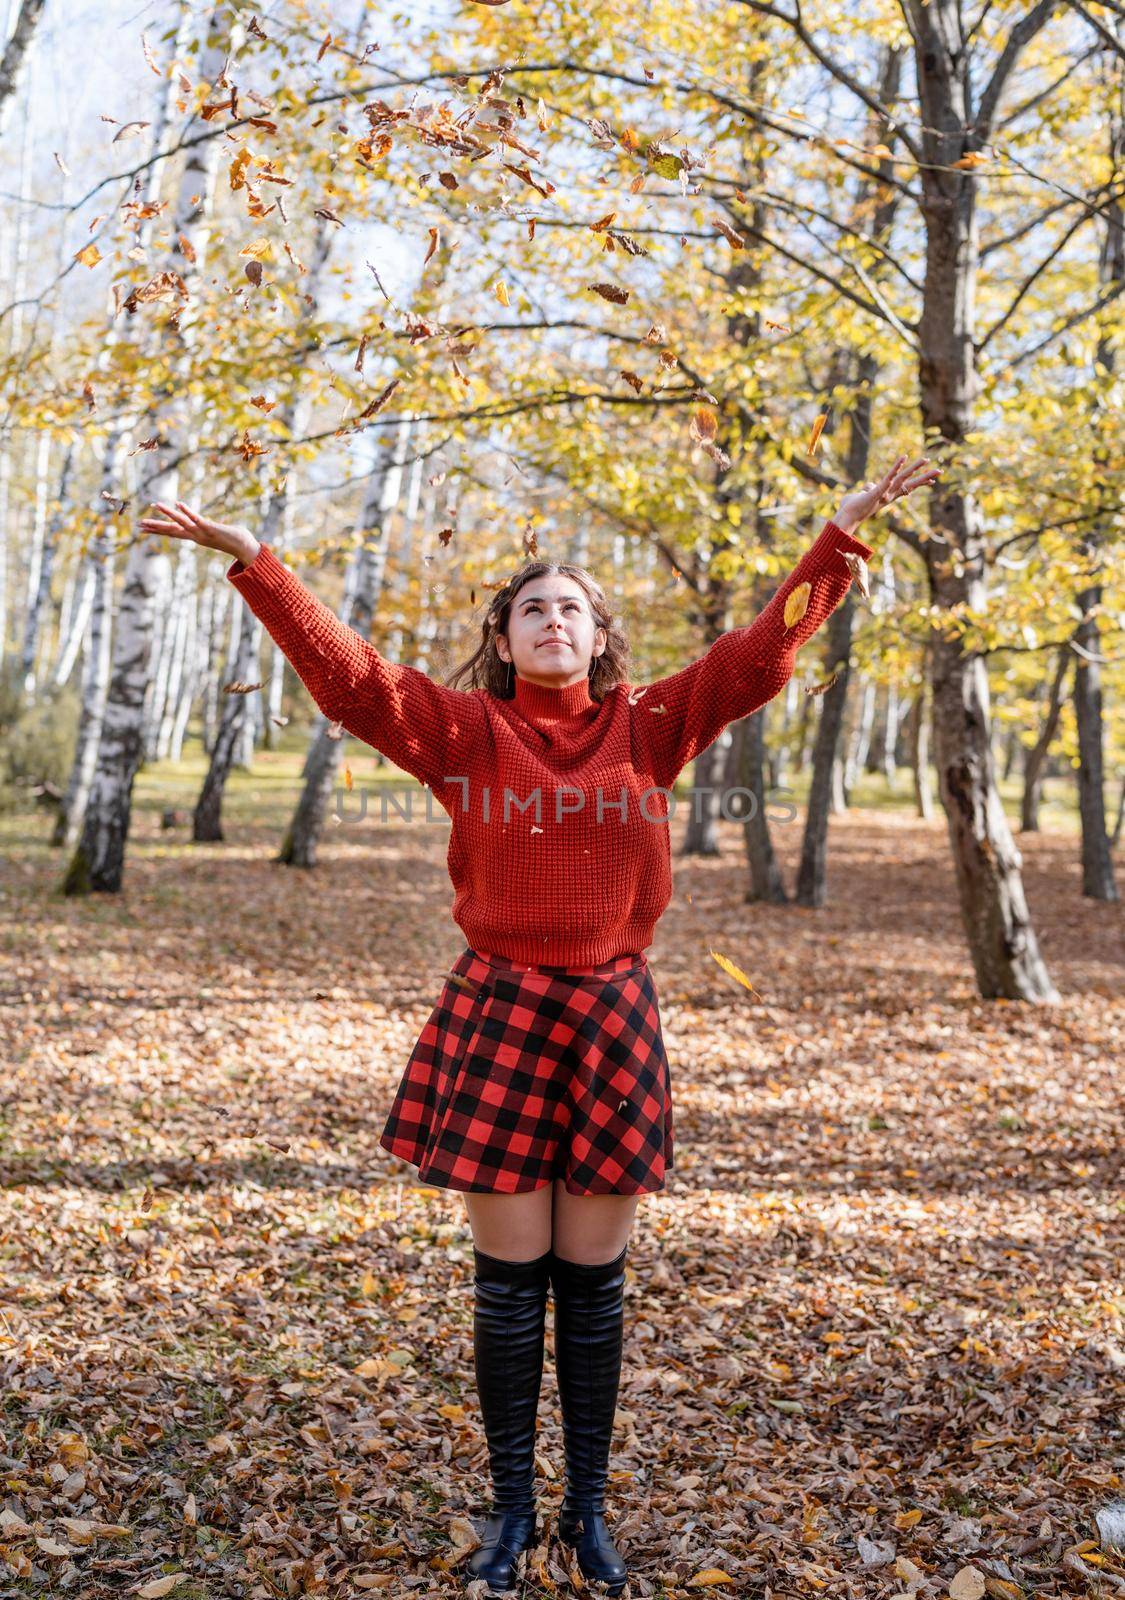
pixel 874 1339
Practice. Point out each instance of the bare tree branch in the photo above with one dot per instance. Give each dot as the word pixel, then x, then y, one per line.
pixel 841 74
pixel 1016 43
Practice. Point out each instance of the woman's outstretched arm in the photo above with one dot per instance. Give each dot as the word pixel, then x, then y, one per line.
pixel 679 716
pixel 422 726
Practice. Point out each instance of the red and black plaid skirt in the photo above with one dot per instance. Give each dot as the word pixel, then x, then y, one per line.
pixel 523 1074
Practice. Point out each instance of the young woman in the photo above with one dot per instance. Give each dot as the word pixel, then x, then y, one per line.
pixel 539 1085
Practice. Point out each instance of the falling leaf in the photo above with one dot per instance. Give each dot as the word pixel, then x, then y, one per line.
pixel 635 382
pixel 500 290
pixel 434 235
pixel 783 326
pixel 972 158
pixel 735 240
pixel 377 404
pixel 89 255
pixel 237 169
pixel 703 424
pixel 349 781
pixel 602 223
pixel 797 603
pixel 821 688
pixel 735 972
pixel 609 291
pixel 818 429
pixel 858 568
pixel 237 687
pixel 129 130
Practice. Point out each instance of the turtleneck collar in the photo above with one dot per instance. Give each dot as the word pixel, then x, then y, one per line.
pixel 536 702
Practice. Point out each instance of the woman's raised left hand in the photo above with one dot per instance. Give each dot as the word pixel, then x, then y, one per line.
pixel 900 481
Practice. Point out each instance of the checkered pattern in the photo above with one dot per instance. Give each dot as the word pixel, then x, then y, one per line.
pixel 524 1073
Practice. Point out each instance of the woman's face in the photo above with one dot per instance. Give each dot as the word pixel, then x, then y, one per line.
pixel 552 635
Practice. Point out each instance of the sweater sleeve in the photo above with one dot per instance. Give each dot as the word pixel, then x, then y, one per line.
pixel 679 716
pixel 421 726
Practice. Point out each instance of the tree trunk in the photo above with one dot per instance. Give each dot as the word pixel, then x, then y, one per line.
pixel 764 873
pixel 1036 759
pixel 920 728
pixel 1002 943
pixel 15 48
pixel 95 673
pixel 701 836
pixel 1097 861
pixel 366 575
pixel 98 861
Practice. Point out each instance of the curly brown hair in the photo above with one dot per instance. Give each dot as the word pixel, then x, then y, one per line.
pixel 485 668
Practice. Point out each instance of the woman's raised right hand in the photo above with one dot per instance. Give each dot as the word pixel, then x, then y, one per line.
pixel 181 522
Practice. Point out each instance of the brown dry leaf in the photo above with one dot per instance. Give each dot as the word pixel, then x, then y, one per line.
pixel 818 429
pixel 161 1586
pixel 858 568
pixel 796 604
pixel 236 686
pixel 237 168
pixel 609 291
pixel 633 379
pixel 821 688
pixel 602 223
pixel 967 1584
pixel 704 424
pixel 734 239
pixel 434 236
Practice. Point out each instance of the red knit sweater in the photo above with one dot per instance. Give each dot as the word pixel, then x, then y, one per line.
pixel 560 851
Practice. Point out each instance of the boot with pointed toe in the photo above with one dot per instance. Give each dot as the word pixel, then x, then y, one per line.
pixel 589 1329
pixel 509 1317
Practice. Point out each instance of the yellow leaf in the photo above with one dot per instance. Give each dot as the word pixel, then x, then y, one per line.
pixel 797 604
pixel 817 430
pixel 735 972
pixel 709 1576
pixel 500 290
pixel 89 256
pixel 908 1519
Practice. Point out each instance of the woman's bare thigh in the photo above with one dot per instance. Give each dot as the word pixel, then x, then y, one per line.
pixel 578 1227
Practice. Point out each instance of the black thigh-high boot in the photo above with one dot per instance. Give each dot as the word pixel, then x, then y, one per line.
pixel 509 1316
pixel 589 1330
